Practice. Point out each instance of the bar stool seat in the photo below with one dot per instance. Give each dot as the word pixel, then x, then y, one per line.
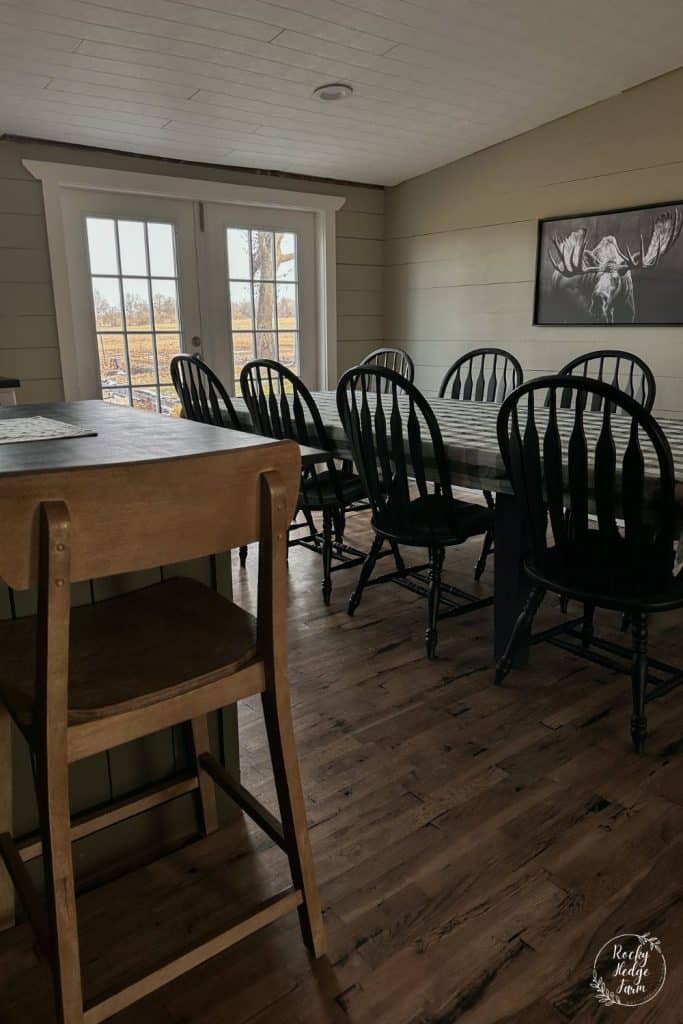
pixel 133 651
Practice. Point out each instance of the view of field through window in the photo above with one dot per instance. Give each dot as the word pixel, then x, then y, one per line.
pixel 137 312
pixel 264 296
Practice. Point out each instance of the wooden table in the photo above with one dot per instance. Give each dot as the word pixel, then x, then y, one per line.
pixel 471 443
pixel 123 436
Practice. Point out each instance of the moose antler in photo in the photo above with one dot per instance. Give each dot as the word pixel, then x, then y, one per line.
pixel 664 234
pixel 571 257
pixel 600 277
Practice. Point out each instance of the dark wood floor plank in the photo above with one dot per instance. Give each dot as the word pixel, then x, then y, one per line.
pixel 475 845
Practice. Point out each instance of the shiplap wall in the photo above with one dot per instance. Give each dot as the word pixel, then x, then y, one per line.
pixel 28 333
pixel 461 240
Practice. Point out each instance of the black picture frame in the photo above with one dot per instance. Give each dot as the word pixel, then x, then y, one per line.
pixel 657 298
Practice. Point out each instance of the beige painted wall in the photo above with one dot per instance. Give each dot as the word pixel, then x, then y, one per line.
pixel 461 240
pixel 28 334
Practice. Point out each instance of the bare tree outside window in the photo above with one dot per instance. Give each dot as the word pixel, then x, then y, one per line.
pixel 263 286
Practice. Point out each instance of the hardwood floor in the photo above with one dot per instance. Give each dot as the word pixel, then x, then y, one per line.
pixel 475 846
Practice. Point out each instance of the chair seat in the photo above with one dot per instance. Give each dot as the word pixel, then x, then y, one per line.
pixel 604 575
pixel 132 651
pixel 433 519
pixel 324 490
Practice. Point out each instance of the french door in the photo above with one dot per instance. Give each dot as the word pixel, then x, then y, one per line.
pixel 261 288
pixel 152 277
pixel 135 293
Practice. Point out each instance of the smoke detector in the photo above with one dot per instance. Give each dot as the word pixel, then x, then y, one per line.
pixel 333 91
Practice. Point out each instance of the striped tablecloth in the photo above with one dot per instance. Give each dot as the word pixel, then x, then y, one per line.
pixel 469 434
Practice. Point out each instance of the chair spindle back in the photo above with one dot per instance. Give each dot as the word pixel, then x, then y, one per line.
pixel 391 359
pixel 394 436
pixel 281 406
pixel 483 375
pixel 566 463
pixel 623 370
pixel 201 393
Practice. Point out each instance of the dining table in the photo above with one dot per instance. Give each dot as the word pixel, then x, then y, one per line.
pixel 469 431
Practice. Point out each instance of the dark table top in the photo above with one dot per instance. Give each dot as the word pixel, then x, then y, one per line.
pixel 124 436
pixel 9 382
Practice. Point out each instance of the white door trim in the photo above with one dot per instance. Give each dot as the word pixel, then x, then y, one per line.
pixel 56 177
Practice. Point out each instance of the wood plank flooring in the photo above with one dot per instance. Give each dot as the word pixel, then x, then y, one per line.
pixel 475 846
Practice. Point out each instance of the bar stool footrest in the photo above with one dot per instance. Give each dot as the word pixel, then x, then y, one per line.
pixel 244 799
pixel 268 911
pixel 26 891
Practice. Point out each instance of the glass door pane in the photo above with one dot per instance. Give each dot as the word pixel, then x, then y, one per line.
pixel 262 289
pixel 134 281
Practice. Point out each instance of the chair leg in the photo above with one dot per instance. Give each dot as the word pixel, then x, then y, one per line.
pixel 436 557
pixel 327 556
pixel 526 616
pixel 243 556
pixel 52 785
pixel 639 680
pixel 207 789
pixel 487 544
pixel 398 558
pixel 365 573
pixel 7 896
pixel 587 625
pixel 564 600
pixel 485 552
pixel 308 516
pixel 339 519
pixel 280 731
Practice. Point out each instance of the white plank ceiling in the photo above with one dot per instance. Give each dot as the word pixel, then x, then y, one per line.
pixel 230 81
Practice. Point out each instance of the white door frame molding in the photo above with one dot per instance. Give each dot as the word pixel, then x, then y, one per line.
pixel 58 177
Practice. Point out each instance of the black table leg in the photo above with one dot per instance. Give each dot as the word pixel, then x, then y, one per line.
pixel 511 582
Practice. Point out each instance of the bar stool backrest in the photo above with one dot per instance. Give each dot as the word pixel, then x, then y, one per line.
pixel 142 515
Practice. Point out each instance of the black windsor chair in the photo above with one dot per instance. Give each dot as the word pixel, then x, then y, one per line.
pixel 593 558
pixel 483 375
pixel 281 406
pixel 395 439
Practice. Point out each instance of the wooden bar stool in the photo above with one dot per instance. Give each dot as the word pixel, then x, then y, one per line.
pixel 81 681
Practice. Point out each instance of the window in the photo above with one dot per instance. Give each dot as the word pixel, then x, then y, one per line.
pixel 134 280
pixel 263 283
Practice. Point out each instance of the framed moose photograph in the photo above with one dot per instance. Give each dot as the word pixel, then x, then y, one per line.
pixel 617 267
